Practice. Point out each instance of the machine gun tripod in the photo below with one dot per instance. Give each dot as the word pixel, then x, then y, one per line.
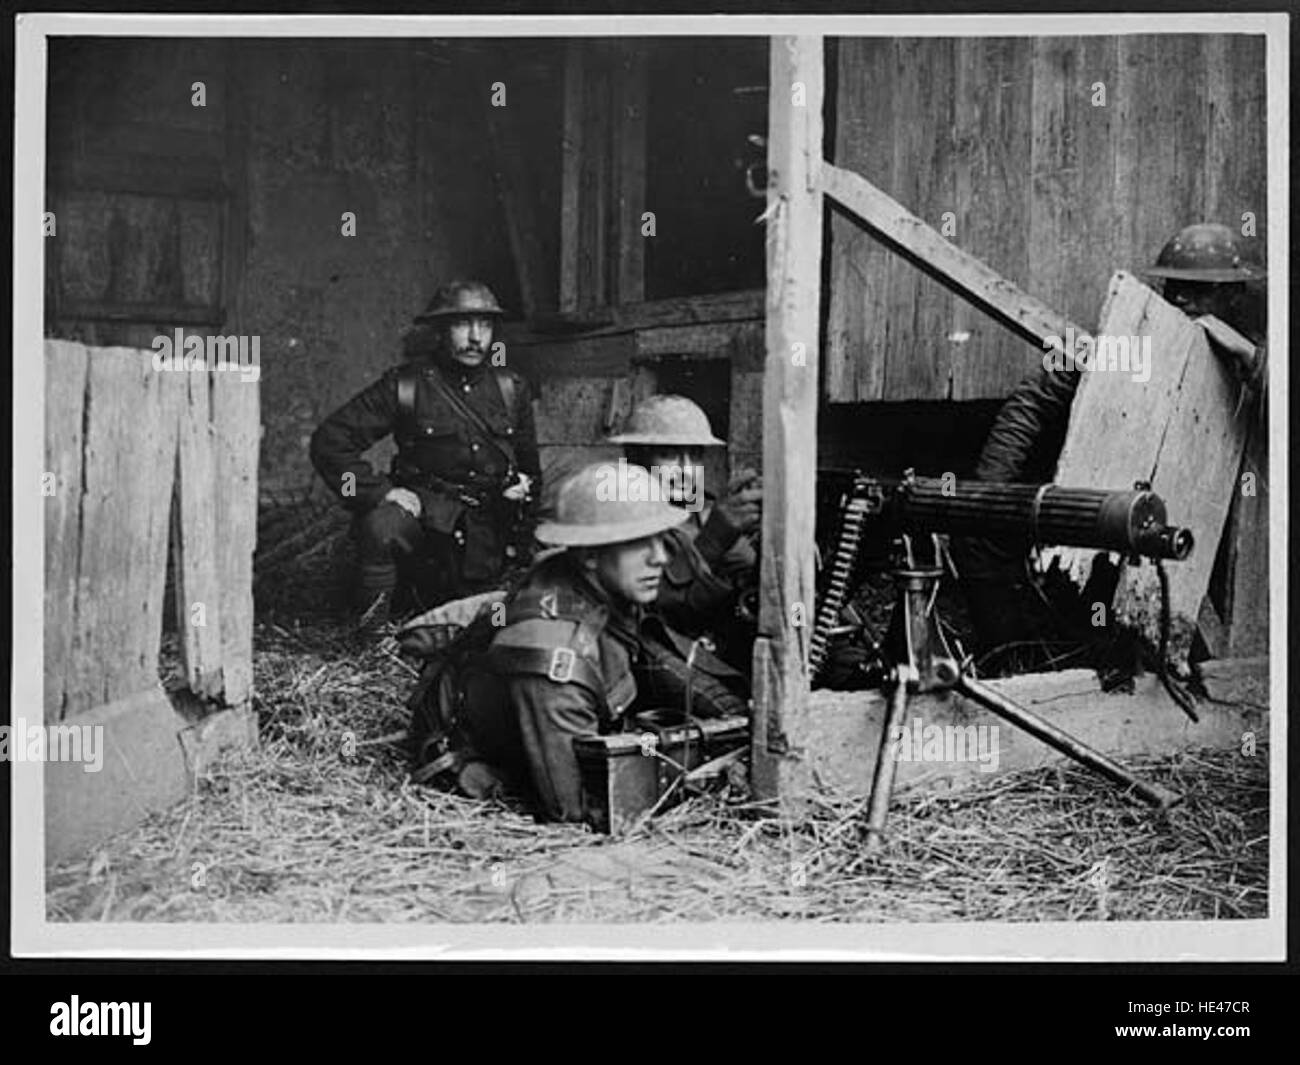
pixel 916 651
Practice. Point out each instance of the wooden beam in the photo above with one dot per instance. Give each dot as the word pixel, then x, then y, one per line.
pixel 794 252
pixel 571 175
pixel 962 272
pixel 745 305
pixel 630 173
pixel 713 340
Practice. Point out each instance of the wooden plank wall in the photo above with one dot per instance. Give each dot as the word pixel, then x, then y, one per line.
pixel 1051 191
pixel 117 435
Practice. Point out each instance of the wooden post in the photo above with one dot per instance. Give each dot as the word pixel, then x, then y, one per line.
pixel 794 250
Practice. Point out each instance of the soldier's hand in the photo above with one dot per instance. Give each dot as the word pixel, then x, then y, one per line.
pixel 520 489
pixel 404 498
pixel 742 507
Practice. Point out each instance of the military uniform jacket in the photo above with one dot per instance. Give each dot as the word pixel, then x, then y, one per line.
pixel 565 654
pixel 704 576
pixel 438 449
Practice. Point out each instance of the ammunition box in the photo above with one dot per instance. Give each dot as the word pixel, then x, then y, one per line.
pixel 625 774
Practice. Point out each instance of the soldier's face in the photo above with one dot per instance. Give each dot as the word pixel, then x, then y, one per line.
pixel 632 571
pixel 680 470
pixel 1195 298
pixel 469 338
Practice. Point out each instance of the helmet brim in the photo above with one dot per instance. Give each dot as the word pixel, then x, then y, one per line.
pixel 562 534
pixel 436 315
pixel 1208 275
pixel 652 440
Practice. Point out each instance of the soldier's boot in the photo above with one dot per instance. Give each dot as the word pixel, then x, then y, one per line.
pixel 387 535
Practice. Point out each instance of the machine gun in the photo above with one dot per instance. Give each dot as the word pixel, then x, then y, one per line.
pixel 917 657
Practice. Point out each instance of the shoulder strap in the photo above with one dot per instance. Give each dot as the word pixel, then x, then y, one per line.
pixel 560 664
pixel 509 392
pixel 407 375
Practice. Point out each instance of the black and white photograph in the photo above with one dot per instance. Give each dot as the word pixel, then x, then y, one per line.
pixel 650 487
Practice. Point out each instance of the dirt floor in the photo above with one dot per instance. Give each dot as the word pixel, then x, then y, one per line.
pixel 319 823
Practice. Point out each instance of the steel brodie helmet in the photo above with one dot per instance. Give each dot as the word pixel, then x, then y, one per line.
pixel 667 420
pixel 608 503
pixel 461 298
pixel 1206 252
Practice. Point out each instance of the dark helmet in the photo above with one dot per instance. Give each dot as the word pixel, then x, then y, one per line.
pixel 607 503
pixel 1206 252
pixel 459 298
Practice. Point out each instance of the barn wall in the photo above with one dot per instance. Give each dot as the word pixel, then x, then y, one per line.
pixel 1053 192
pixel 293 134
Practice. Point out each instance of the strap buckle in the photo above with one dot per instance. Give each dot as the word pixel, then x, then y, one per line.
pixel 562 660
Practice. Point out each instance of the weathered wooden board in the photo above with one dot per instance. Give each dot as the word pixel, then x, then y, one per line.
pixel 1181 430
pixel 993 130
pixel 1053 145
pixel 199 615
pixel 713 340
pixel 629 130
pixel 860 265
pixel 925 152
pixel 571 205
pixel 958 269
pixel 745 442
pixel 794 249
pixel 66 370
pixel 129 455
pixel 1248 623
pixel 600 356
pixel 236 432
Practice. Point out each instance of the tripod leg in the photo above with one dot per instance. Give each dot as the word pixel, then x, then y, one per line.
pixel 886 761
pixel 1062 741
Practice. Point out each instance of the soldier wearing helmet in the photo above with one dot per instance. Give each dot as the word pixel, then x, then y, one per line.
pixel 1205 270
pixel 712 560
pixel 458 492
pixel 577 650
pixel 1207 274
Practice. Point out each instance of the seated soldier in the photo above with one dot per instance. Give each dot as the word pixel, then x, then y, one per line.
pixel 712 561
pixel 574 655
pixel 457 496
